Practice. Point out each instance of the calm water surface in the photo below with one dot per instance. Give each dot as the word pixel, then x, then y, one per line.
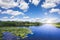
pixel 44 32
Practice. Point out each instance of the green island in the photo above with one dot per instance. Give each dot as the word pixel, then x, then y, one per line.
pixel 22 32
pixel 57 25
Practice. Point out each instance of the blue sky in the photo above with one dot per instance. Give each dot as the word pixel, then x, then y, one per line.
pixel 29 10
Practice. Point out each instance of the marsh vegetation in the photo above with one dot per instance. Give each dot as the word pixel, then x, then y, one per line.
pixel 17 31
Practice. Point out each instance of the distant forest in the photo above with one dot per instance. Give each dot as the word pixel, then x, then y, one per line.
pixel 18 23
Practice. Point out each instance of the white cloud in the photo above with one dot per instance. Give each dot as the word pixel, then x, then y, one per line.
pixel 50 3
pixel 23 5
pixel 35 2
pixel 18 19
pixel 7 19
pixel 11 12
pixel 33 19
pixel 8 4
pixel 54 10
pixel 53 1
pixel 42 20
pixel 11 4
pixel 10 19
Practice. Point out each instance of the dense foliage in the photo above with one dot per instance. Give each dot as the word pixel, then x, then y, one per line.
pixel 20 23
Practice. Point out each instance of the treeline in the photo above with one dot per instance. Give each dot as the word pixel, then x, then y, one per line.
pixel 20 23
pixel 58 23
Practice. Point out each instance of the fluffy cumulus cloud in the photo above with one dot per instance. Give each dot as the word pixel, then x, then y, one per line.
pixel 12 12
pixel 8 3
pixel 55 10
pixel 50 3
pixel 23 5
pixel 35 2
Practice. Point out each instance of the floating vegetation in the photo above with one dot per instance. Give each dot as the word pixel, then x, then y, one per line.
pixel 18 31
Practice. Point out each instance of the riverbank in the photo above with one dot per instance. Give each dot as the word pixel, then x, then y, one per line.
pixel 57 25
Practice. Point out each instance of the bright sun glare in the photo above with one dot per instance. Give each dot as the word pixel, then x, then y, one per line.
pixel 49 20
